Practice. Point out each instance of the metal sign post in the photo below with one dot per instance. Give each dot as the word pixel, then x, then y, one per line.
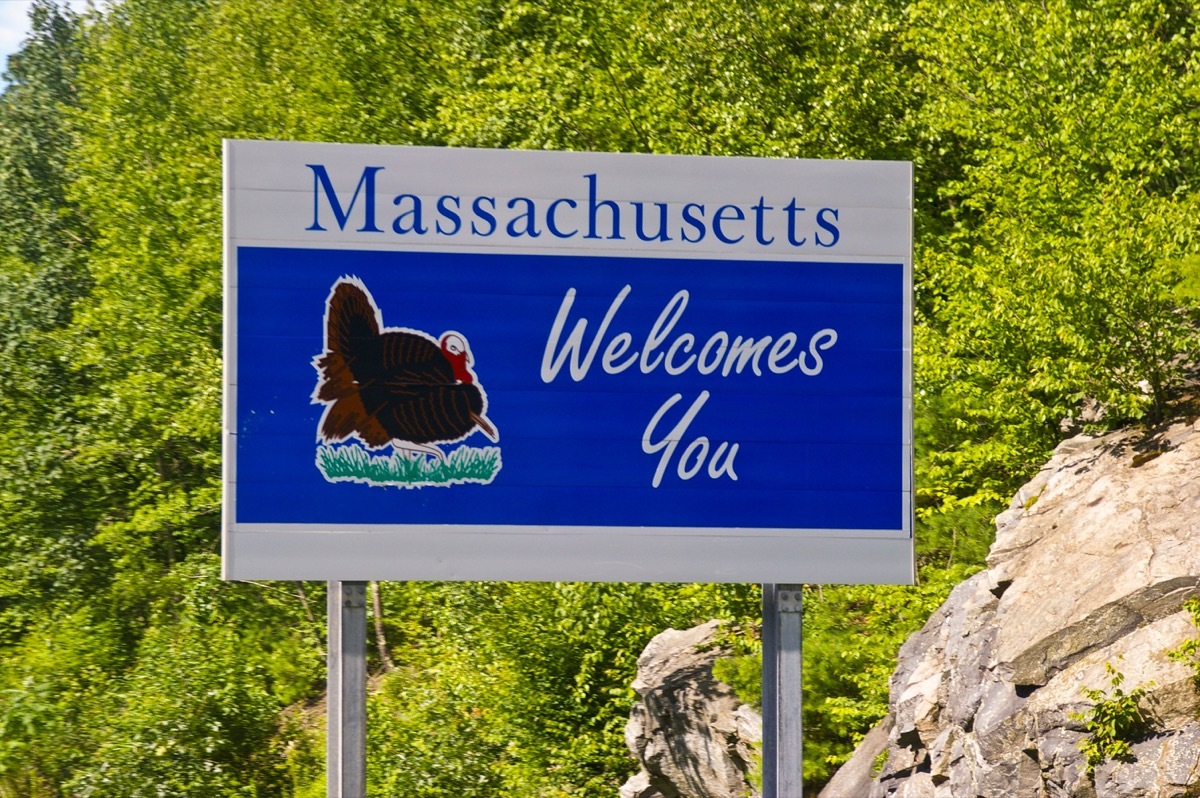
pixel 346 728
pixel 783 762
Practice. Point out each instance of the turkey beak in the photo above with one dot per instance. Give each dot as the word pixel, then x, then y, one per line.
pixel 486 427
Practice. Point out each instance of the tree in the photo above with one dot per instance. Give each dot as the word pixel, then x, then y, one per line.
pixel 1053 292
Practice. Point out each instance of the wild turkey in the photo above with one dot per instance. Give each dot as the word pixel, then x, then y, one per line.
pixel 389 385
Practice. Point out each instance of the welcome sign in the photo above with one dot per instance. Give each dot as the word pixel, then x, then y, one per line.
pixel 475 364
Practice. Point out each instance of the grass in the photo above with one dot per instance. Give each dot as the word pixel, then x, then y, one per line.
pixel 355 464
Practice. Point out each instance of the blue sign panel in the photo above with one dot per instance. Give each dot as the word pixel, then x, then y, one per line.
pixel 416 402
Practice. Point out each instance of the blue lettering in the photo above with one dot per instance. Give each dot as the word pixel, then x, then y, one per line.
pixel 594 206
pixel 414 212
pixel 824 223
pixel 523 217
pixel 550 224
pixel 639 211
pixel 321 182
pixel 760 209
pixel 451 215
pixel 792 210
pixel 487 216
pixel 695 221
pixel 720 217
pixel 530 224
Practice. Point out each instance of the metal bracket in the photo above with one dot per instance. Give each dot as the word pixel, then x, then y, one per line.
pixel 791 598
pixel 354 595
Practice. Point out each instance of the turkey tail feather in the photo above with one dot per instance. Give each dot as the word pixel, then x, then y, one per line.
pixel 352 316
pixel 345 415
pixel 336 381
pixel 346 418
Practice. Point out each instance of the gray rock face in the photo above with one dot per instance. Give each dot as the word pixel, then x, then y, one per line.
pixel 1091 565
pixel 691 734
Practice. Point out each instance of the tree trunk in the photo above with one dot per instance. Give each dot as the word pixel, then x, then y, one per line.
pixel 385 656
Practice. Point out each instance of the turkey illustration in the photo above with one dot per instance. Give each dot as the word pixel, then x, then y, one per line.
pixel 393 385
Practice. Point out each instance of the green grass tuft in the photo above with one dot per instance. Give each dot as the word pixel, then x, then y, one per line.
pixel 405 470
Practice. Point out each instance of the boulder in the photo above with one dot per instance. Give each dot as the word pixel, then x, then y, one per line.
pixel 691 734
pixel 1090 568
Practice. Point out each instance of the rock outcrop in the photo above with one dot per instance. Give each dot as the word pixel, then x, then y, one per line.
pixel 689 731
pixel 1091 565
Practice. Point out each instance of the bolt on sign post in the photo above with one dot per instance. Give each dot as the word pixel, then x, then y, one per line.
pixel 456 364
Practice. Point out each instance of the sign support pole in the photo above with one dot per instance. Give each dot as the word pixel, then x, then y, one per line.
pixel 346 726
pixel 783 762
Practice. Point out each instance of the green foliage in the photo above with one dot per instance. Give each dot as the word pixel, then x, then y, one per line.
pixel 1188 652
pixel 685 77
pixel 522 688
pixel 1054 285
pixel 744 674
pixel 1116 720
pixel 192 718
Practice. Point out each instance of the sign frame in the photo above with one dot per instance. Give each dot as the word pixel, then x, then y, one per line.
pixel 273 198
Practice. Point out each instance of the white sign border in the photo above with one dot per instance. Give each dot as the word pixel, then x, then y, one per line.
pixel 551 553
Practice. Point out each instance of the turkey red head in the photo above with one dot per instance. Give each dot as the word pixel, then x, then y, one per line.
pixel 454 347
